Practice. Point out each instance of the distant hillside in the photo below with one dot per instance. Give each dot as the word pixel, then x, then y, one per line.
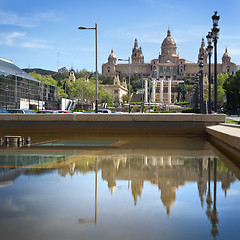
pixel 39 71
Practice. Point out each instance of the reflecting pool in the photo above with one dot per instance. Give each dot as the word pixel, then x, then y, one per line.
pixel 161 188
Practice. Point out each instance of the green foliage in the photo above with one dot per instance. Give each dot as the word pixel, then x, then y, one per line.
pixel 172 111
pixel 136 103
pixel 232 88
pixel 47 79
pixel 125 98
pixel 81 88
pixel 182 103
pixel 191 110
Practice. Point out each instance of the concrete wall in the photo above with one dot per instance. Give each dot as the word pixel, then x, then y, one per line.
pixel 107 124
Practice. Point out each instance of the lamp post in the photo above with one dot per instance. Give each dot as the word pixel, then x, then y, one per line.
pixel 201 83
pixel 96 95
pixel 129 79
pixel 197 83
pixel 215 36
pixel 209 53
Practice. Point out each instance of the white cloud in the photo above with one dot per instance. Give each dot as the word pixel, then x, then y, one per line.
pixel 9 39
pixel 30 21
pixel 20 39
pixel 40 44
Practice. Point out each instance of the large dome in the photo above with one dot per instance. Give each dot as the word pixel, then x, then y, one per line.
pixel 168 46
pixel 168 40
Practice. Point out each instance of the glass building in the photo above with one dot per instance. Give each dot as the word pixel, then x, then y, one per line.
pixel 20 90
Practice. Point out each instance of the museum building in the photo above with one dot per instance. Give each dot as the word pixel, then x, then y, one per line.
pixel 168 65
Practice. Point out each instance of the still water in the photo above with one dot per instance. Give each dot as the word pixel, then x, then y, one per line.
pixel 110 189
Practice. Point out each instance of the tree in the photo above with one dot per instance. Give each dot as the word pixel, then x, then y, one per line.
pixel 232 88
pixel 221 77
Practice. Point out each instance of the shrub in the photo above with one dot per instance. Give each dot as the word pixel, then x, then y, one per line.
pixel 191 110
pixel 173 111
pixel 182 103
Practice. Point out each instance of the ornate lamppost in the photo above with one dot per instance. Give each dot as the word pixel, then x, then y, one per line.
pixel 201 83
pixel 215 36
pixel 209 53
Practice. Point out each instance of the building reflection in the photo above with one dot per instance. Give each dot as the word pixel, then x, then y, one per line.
pixel 168 173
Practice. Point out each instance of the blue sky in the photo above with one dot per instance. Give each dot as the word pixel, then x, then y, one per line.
pixel 32 33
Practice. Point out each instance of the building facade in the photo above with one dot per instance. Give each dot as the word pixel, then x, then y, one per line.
pixel 117 90
pixel 168 65
pixel 20 90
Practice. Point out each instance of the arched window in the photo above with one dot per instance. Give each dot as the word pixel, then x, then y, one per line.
pixel 109 69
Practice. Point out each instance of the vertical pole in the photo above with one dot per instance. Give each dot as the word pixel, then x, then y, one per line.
pixel 96 170
pixel 146 91
pixel 169 91
pixel 215 76
pixel 96 100
pixel 201 90
pixel 154 91
pixel 161 91
pixel 215 183
pixel 65 96
pixel 129 93
pixel 209 85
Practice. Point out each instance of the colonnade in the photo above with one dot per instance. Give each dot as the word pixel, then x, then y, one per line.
pixel 154 81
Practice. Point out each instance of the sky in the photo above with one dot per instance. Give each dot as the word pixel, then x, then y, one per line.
pixel 44 33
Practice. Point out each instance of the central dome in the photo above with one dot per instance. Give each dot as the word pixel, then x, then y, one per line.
pixel 168 40
pixel 168 46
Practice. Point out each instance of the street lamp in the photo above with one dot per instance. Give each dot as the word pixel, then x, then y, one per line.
pixel 96 96
pixel 129 94
pixel 215 36
pixel 209 53
pixel 201 83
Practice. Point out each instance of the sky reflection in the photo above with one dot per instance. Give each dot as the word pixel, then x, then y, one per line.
pixel 120 196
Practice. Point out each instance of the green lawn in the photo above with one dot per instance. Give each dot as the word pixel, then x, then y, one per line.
pixel 230 121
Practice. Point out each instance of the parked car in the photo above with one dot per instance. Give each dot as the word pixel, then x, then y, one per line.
pixel 104 111
pixel 2 110
pixel 64 111
pixel 21 111
pixel 48 111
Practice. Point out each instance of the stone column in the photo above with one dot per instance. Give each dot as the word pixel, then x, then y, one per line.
pixel 161 91
pixel 169 91
pixel 169 160
pixel 154 91
pixel 161 161
pixel 145 160
pixel 146 91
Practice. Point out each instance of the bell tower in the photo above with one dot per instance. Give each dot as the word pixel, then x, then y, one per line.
pixel 137 56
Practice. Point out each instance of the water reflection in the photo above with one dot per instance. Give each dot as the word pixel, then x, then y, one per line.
pixel 166 174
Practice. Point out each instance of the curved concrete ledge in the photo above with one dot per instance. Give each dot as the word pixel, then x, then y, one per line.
pixel 227 134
